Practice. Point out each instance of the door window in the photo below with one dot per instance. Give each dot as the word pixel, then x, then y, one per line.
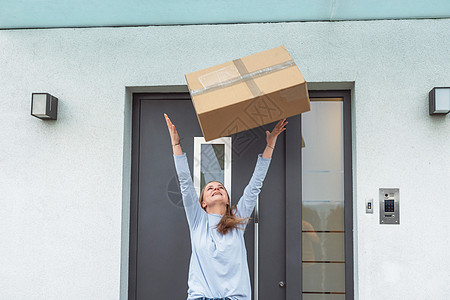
pixel 212 162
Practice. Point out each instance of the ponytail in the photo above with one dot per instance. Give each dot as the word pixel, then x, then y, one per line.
pixel 230 221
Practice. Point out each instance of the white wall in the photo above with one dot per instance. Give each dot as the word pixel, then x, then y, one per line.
pixel 61 182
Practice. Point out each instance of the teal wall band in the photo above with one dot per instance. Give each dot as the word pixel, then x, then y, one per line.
pixel 85 13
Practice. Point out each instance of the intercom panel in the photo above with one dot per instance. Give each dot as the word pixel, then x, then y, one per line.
pixel 389 206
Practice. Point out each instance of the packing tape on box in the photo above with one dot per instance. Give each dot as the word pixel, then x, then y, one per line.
pixel 251 84
pixel 234 74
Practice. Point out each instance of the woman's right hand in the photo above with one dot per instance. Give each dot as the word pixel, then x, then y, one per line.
pixel 172 131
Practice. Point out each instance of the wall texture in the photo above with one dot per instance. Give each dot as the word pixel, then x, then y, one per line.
pixel 63 194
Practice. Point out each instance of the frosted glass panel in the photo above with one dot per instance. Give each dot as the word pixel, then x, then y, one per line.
pixel 323 297
pixel 323 186
pixel 323 241
pixel 322 129
pixel 323 277
pixel 324 216
pixel 321 246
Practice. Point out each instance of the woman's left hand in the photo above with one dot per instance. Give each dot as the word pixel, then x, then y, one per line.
pixel 271 137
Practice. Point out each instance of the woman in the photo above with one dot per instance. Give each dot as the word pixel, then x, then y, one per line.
pixel 218 268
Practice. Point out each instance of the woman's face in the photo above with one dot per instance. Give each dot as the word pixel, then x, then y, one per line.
pixel 215 195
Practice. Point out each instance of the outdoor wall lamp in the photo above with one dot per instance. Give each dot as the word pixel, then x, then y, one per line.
pixel 439 100
pixel 44 106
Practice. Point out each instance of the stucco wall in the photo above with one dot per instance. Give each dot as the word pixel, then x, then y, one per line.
pixel 63 194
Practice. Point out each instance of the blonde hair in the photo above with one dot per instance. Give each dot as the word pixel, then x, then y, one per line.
pixel 229 220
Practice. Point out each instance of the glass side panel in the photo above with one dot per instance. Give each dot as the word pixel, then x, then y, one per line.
pixel 323 186
pixel 322 130
pixel 323 277
pixel 323 252
pixel 319 246
pixel 323 297
pixel 324 216
pixel 212 163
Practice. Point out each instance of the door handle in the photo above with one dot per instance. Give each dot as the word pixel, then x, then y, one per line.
pixel 281 284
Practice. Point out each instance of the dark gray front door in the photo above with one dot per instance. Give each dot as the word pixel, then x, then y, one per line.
pixel 159 237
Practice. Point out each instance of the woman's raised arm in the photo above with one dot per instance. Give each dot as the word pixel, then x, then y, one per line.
pixel 192 207
pixel 248 200
pixel 175 139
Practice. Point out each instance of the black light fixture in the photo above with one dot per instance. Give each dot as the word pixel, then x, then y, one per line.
pixel 439 100
pixel 44 106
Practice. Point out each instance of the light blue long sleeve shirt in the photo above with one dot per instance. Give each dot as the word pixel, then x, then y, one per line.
pixel 218 266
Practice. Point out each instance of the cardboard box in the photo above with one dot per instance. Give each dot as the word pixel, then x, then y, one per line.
pixel 248 92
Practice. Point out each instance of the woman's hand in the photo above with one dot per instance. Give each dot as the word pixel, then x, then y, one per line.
pixel 174 138
pixel 172 131
pixel 271 137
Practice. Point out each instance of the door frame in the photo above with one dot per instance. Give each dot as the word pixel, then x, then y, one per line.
pixel 293 176
pixel 137 98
